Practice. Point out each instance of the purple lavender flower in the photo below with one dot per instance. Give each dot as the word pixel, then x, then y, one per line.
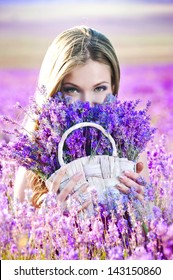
pixel 140 253
pixel 115 253
pixel 161 228
pixel 37 150
pixel 168 242
pixel 157 212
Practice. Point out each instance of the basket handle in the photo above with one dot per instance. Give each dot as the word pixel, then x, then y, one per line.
pixel 80 125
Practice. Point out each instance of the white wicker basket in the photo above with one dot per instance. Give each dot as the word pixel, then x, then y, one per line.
pixel 100 171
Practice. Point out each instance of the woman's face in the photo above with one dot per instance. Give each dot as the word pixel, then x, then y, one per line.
pixel 90 82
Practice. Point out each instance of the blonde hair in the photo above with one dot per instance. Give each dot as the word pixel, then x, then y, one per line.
pixel 74 47
pixel 71 48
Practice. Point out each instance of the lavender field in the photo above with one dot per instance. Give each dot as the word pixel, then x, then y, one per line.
pixel 144 47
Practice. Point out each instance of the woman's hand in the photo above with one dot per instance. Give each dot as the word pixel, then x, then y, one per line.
pixel 67 194
pixel 131 179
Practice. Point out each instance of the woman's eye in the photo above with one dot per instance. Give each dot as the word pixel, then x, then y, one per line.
pixel 100 88
pixel 70 90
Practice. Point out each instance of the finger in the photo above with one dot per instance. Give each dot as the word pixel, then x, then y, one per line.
pixel 136 177
pixel 128 182
pixel 84 205
pixel 123 188
pixel 57 179
pixel 78 202
pixel 126 190
pixel 132 175
pixel 82 189
pixel 139 167
pixel 70 186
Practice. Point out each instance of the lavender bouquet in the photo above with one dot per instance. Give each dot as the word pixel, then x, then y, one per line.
pixel 37 150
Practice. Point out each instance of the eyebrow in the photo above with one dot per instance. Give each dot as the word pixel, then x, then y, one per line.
pixel 100 83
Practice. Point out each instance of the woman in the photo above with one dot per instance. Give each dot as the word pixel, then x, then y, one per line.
pixel 82 64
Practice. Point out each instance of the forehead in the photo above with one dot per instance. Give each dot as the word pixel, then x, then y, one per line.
pixel 91 71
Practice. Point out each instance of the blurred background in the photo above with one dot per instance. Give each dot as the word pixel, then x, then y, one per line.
pixel 141 32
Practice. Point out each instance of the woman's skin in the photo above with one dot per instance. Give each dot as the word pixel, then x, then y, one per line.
pixel 90 82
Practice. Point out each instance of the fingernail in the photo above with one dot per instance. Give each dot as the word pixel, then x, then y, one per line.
pixel 118 186
pixel 78 175
pixel 121 178
pixel 85 185
pixel 127 172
